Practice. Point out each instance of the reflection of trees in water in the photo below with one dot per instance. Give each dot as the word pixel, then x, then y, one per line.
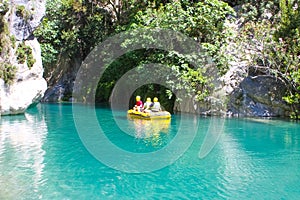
pixel 269 129
pixel 21 155
pixel 152 132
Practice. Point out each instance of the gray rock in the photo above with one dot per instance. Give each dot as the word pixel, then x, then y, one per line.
pixel 22 24
pixel 259 96
pixel 61 81
pixel 243 95
pixel 244 91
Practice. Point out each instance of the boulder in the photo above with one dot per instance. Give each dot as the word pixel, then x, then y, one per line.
pixel 242 94
pixel 259 96
pixel 27 88
pixel 28 85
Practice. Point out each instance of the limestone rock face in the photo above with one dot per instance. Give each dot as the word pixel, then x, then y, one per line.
pixel 62 80
pixel 25 17
pixel 17 98
pixel 243 91
pixel 243 96
pixel 259 96
pixel 28 85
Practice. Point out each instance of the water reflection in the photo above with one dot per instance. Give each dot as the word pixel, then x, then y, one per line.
pixel 151 131
pixel 21 155
pixel 255 153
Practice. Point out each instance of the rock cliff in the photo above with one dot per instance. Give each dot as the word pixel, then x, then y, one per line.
pixel 21 73
pixel 239 92
pixel 244 91
pixel 61 80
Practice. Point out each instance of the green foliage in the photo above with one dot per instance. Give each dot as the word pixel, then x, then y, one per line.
pixel 288 37
pixel 7 72
pixel 13 40
pixel 3 26
pixel 24 54
pixel 199 83
pixel 257 10
pixel 71 28
pixel 268 37
pixel 3 7
pixel 274 48
pixel 205 22
pixel 22 12
pixel 115 71
pixel 2 32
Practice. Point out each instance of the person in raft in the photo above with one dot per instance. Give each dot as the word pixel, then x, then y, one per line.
pixel 156 105
pixel 138 104
pixel 147 105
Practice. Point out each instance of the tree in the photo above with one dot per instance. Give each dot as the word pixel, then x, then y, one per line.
pixel 71 28
pixel 288 38
pixel 273 44
pixel 67 28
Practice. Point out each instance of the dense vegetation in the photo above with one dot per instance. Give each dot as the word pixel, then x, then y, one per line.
pixel 8 45
pixel 274 27
pixel 7 70
pixel 68 26
pixel 270 29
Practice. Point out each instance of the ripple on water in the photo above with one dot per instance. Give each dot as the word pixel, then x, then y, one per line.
pixel 42 157
pixel 21 156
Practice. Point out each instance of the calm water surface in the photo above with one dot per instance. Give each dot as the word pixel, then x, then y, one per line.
pixel 42 157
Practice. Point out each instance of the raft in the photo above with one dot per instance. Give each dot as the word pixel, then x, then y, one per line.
pixel 149 115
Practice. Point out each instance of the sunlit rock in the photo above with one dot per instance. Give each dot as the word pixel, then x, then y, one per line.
pixel 27 88
pixel 25 17
pixel 22 51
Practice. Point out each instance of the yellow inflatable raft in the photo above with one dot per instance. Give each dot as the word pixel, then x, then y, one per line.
pixel 149 115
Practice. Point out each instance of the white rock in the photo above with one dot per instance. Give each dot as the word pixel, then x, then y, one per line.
pixel 27 88
pixel 16 98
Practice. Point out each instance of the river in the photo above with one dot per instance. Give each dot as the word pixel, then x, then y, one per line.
pixel 52 153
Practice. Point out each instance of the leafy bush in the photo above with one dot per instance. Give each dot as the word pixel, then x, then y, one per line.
pixel 71 28
pixel 288 38
pixel 24 54
pixel 203 21
pixel 273 46
pixel 7 72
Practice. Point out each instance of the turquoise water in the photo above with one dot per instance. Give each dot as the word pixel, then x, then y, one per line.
pixel 42 157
